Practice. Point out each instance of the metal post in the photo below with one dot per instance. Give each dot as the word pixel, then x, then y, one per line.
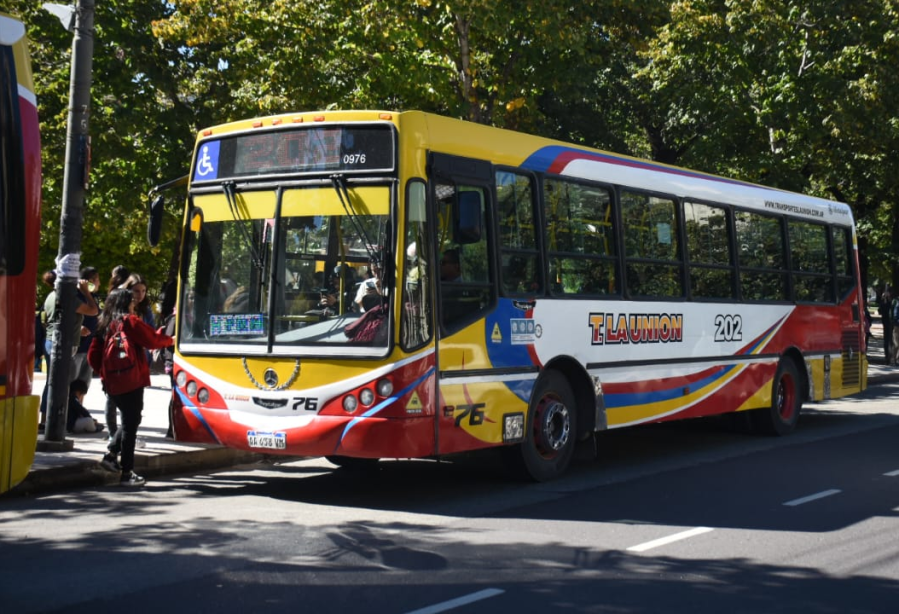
pixel 68 261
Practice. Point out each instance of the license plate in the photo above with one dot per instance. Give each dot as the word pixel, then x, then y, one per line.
pixel 270 441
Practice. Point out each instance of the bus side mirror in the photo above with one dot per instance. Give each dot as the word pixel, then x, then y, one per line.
pixel 154 224
pixel 467 222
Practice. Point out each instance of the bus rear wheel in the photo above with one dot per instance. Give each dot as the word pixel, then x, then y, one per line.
pixel 786 402
pixel 551 431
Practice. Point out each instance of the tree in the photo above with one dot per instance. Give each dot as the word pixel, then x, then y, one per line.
pixel 788 94
pixel 141 131
pixel 486 61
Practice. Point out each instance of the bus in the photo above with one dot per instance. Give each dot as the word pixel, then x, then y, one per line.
pixel 20 218
pixel 364 285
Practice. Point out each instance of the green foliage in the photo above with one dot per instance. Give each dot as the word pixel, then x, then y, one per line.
pixel 789 94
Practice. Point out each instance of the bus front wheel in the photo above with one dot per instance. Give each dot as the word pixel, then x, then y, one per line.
pixel 786 402
pixel 551 431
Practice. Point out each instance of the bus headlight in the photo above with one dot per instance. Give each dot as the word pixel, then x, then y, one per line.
pixel 350 403
pixel 366 397
pixel 191 388
pixel 385 387
pixel 181 379
pixel 203 395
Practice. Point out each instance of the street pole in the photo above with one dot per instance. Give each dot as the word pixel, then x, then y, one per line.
pixel 68 261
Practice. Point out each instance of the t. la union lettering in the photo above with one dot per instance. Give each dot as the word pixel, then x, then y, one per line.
pixel 616 328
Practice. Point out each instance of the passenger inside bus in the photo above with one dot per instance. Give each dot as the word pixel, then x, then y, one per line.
pixel 450 266
pixel 370 291
pixel 238 301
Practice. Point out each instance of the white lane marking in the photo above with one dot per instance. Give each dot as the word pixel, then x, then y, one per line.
pixel 487 593
pixel 814 497
pixel 892 474
pixel 671 538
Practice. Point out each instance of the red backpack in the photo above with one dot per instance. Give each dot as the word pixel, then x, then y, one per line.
pixel 121 368
pixel 369 327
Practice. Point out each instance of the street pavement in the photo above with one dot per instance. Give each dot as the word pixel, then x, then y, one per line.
pixel 157 456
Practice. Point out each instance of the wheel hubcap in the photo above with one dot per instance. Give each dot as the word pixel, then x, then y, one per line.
pixel 785 394
pixel 554 427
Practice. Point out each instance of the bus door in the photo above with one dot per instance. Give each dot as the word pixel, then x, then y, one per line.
pixel 466 294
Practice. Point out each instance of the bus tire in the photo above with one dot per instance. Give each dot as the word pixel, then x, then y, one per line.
pixel 353 464
pixel 551 431
pixel 786 402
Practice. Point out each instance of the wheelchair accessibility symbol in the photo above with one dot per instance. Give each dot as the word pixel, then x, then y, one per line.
pixel 207 162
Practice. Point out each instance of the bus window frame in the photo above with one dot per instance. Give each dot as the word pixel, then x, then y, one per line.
pixel 538 217
pixel 679 233
pixel 794 272
pixel 616 260
pixel 736 293
pixel 786 269
pixel 854 274
pixel 423 255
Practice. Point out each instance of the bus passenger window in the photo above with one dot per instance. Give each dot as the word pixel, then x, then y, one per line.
pixel 708 250
pixel 521 268
pixel 761 253
pixel 580 238
pixel 652 264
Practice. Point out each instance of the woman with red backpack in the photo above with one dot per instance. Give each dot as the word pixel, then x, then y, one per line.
pixel 118 353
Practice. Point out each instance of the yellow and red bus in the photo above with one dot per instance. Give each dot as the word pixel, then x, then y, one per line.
pixel 20 218
pixel 527 293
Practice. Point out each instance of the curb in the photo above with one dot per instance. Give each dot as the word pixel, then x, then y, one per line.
pixel 81 473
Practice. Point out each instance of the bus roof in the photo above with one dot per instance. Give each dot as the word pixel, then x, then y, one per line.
pixel 507 147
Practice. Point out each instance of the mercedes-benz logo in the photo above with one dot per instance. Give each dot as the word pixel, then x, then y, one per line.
pixel 270 378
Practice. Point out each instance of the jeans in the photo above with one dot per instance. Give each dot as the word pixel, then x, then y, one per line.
pixel 111 420
pixel 131 404
pixel 81 369
pixel 48 347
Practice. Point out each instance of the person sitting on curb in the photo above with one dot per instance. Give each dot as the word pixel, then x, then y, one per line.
pixel 78 419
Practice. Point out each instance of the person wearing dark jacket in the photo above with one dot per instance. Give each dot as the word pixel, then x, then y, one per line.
pixel 119 316
pixel 884 305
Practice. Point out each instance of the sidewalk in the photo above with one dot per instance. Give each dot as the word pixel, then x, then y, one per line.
pixel 159 456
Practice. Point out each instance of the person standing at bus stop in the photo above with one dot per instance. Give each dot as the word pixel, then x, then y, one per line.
pixel 119 275
pixel 87 306
pixel 894 342
pixel 81 370
pixel 884 307
pixel 119 319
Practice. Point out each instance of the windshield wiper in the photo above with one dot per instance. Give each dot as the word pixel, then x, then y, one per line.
pixel 228 188
pixel 343 194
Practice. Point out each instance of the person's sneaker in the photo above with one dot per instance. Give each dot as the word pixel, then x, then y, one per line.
pixel 110 463
pixel 132 480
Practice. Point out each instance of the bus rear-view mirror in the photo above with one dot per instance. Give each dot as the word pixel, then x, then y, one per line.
pixel 154 224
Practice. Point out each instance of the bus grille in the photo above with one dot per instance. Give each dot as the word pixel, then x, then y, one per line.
pixel 852 360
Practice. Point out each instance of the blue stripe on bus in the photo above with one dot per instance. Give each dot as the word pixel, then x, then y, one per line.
pixel 185 401
pixel 616 400
pixel 383 404
pixel 627 399
pixel 545 157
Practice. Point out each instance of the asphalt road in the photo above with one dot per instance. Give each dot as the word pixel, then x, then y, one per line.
pixel 690 517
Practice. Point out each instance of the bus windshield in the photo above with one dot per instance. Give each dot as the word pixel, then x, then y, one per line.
pixel 287 275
